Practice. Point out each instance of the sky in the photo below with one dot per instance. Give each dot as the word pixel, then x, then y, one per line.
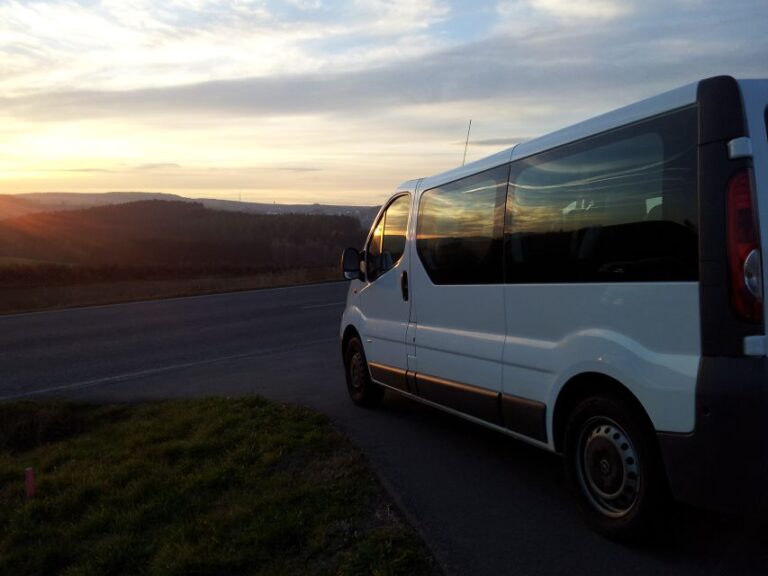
pixel 329 101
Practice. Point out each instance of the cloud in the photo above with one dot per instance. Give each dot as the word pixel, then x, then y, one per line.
pixel 598 67
pixel 157 166
pixel 201 57
pixel 299 169
pixel 587 9
pixel 48 169
pixel 395 16
pixel 307 5
pixel 119 45
pixel 82 170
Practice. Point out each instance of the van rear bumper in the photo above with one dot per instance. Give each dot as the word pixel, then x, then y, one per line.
pixel 723 464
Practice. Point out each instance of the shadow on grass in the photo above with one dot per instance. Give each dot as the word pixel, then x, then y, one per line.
pixel 28 425
pixel 214 486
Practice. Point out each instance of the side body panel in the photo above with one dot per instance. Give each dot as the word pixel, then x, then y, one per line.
pixel 642 335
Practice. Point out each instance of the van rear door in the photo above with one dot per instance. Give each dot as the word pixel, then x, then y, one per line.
pixel 731 217
pixel 755 100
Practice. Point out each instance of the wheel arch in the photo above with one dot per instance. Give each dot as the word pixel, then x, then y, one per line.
pixel 349 332
pixel 583 386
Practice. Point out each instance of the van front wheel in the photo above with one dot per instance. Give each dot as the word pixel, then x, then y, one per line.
pixel 362 390
pixel 614 468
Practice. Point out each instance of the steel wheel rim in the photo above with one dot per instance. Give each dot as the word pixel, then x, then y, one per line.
pixel 608 467
pixel 356 371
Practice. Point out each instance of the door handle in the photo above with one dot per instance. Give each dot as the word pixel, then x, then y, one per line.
pixel 404 285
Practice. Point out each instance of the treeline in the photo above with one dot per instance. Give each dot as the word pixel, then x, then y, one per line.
pixel 161 239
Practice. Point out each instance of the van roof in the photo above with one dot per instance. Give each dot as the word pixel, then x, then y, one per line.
pixel 677 98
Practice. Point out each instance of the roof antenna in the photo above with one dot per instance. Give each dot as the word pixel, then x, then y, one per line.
pixel 466 144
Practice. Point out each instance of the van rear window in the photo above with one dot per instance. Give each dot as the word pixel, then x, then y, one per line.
pixel 617 207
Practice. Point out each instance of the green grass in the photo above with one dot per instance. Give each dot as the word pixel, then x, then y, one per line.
pixel 216 486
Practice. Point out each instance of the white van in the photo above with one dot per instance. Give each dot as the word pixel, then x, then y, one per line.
pixel 596 292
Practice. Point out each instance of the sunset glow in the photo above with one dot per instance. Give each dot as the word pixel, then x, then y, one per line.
pixel 328 101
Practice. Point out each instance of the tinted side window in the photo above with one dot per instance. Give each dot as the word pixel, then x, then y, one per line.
pixel 619 207
pixel 387 243
pixel 459 231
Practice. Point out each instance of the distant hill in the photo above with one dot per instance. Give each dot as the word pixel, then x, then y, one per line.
pixel 365 214
pixel 177 237
pixel 67 200
pixel 57 201
pixel 12 206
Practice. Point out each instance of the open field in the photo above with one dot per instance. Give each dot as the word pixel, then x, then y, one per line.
pixel 213 486
pixel 11 261
pixel 24 299
pixel 159 249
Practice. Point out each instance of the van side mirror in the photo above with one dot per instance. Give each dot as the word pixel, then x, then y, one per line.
pixel 350 264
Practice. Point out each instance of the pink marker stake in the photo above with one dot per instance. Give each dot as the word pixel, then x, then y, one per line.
pixel 29 480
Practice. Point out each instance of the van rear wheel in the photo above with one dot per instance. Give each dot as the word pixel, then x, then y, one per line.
pixel 362 390
pixel 614 468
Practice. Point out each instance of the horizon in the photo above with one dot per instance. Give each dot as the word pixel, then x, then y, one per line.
pixel 182 196
pixel 328 102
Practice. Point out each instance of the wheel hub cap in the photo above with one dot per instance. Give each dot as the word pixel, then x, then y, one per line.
pixel 608 467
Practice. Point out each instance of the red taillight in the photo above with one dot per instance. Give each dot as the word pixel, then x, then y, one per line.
pixel 743 250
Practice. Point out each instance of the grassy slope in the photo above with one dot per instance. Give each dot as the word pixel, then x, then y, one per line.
pixel 219 486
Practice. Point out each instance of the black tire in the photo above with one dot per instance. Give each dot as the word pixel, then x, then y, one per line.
pixel 613 465
pixel 361 389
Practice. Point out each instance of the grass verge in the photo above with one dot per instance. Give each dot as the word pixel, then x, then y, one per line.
pixel 214 486
pixel 27 299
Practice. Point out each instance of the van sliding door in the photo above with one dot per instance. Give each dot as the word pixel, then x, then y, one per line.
pixel 458 294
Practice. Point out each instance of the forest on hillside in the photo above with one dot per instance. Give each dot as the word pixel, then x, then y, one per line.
pixel 160 239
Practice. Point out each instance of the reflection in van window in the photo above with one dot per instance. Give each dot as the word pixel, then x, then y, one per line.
pixel 618 207
pixel 373 250
pixel 459 231
pixel 387 243
pixel 395 226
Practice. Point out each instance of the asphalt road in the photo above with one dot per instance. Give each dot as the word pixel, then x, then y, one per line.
pixel 485 504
